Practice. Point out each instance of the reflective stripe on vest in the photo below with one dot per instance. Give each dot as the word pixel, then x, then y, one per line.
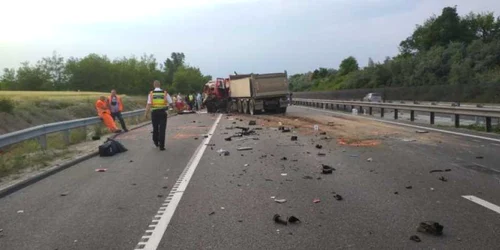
pixel 158 100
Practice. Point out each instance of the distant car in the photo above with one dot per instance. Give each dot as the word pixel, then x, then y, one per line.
pixel 373 97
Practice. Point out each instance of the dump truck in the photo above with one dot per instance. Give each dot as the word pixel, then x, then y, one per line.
pixel 254 93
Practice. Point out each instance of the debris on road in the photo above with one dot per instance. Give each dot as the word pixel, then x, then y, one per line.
pixel 131 161
pixel 369 159
pixel 284 174
pixel 422 131
pixel 479 157
pixel 338 197
pixel 20 211
pixel 321 154
pixel 294 138
pixel 64 194
pixel 409 140
pixel 307 177
pixel 396 192
pixel 354 155
pixel 432 189
pixel 252 123
pixel 284 159
pixel 164 187
pixel 244 148
pixel 327 169
pixel 160 195
pixel 228 139
pixel 330 124
pixel 280 200
pixel 430 227
pixel 316 127
pixel 212 213
pixel 319 146
pixel 269 180
pixel 415 238
pixel 277 218
pixel 222 208
pixel 96 138
pixel 293 219
pixel 246 165
pixel 408 187
pixel 443 179
pixel 285 130
pixel 322 133
pixel 196 138
pixel 101 170
pixel 316 201
pixel 223 152
pixel 440 170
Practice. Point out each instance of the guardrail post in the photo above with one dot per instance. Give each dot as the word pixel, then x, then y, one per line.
pixel 66 137
pixel 338 107
pixel 395 114
pixel 370 110
pixel 412 115
pixel 381 112
pixel 488 124
pixel 432 118
pixel 42 140
pixel 345 107
pixel 457 120
pixel 361 110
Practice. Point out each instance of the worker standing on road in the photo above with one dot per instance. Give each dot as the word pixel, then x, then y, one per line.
pixel 158 102
pixel 103 111
pixel 116 105
pixel 198 101
pixel 191 101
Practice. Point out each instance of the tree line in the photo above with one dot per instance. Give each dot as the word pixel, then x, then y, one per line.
pixel 445 50
pixel 98 73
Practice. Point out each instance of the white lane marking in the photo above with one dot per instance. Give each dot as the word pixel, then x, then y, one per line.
pixel 482 202
pixel 158 227
pixel 409 125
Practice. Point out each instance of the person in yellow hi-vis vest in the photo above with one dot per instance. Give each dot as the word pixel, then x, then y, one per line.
pixel 158 102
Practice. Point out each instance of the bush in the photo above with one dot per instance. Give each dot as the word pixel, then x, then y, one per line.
pixel 6 105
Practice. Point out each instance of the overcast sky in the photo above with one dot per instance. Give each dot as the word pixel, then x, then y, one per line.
pixel 219 36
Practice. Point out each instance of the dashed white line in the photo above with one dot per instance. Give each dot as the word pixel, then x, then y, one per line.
pixel 482 202
pixel 153 235
pixel 409 125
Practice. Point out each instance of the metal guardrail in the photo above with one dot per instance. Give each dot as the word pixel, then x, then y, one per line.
pixel 488 113
pixel 42 131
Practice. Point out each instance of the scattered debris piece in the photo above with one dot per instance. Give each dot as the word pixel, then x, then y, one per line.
pixel 321 154
pixel 160 195
pixel 307 177
pixel 212 213
pixel 396 192
pixel 322 133
pixel 285 130
pixel 442 178
pixel 284 174
pixel 252 123
pixel 164 187
pixel 269 180
pixel 432 189
pixel 228 139
pixel 436 171
pixel 206 136
pixel 272 197
pixel 246 165
pixel 338 197
pixel 354 155
pixel 415 238
pixel 131 161
pixel 422 131
pixel 319 146
pixel 222 208
pixel 447 170
pixel 277 218
pixel 223 152
pixel 210 144
pixel 240 220
pixel 280 200
pixel 244 148
pixel 408 187
pixel 327 169
pixel 330 124
pixel 316 201
pixel 101 170
pixel 293 219
pixel 316 127
pixel 479 157
pixel 294 138
pixel 281 128
pixel 64 194
pixel 96 138
pixel 284 159
pixel 430 227
pixel 409 140
pixel 134 184
pixel 369 159
pixel 196 138
pixel 20 211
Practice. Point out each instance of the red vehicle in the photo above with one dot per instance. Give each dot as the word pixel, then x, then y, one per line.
pixel 218 94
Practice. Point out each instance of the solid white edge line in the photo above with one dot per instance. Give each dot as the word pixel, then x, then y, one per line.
pixel 482 202
pixel 184 178
pixel 407 125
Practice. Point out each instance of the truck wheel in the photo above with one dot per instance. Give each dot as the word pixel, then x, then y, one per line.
pixel 252 107
pixel 240 108
pixel 245 107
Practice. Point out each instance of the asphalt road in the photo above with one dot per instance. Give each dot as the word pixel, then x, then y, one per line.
pixel 191 197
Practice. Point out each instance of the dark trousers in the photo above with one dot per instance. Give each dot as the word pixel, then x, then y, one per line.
pixel 120 118
pixel 159 120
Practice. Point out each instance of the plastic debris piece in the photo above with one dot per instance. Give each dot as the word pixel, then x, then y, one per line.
pixel 293 219
pixel 246 165
pixel 354 155
pixel 430 227
pixel 164 187
pixel 212 213
pixel 284 174
pixel 422 131
pixel 244 148
pixel 294 138
pixel 131 161
pixel 316 201
pixel 369 159
pixel 409 140
pixel 223 152
pixel 321 154
pixel 479 157
pixel 269 180
pixel 64 194
pixel 322 133
pixel 408 187
pixel 447 170
pixel 280 200
pixel 252 123
pixel 101 170
pixel 228 139
pixel 319 146
pixel 222 208
pixel 436 171
pixel 442 178
pixel 327 169
pixel 272 197
pixel 20 211
pixel 284 159
pixel 432 189
pixel 415 238
pixel 277 218
pixel 285 130
pixel 160 195
pixel 338 197
pixel 316 127
pixel 396 192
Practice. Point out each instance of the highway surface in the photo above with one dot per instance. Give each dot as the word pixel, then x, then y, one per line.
pixel 193 197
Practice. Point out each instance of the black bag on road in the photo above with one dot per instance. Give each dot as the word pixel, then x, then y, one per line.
pixel 110 148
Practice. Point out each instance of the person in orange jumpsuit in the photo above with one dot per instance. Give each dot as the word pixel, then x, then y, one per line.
pixel 103 111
